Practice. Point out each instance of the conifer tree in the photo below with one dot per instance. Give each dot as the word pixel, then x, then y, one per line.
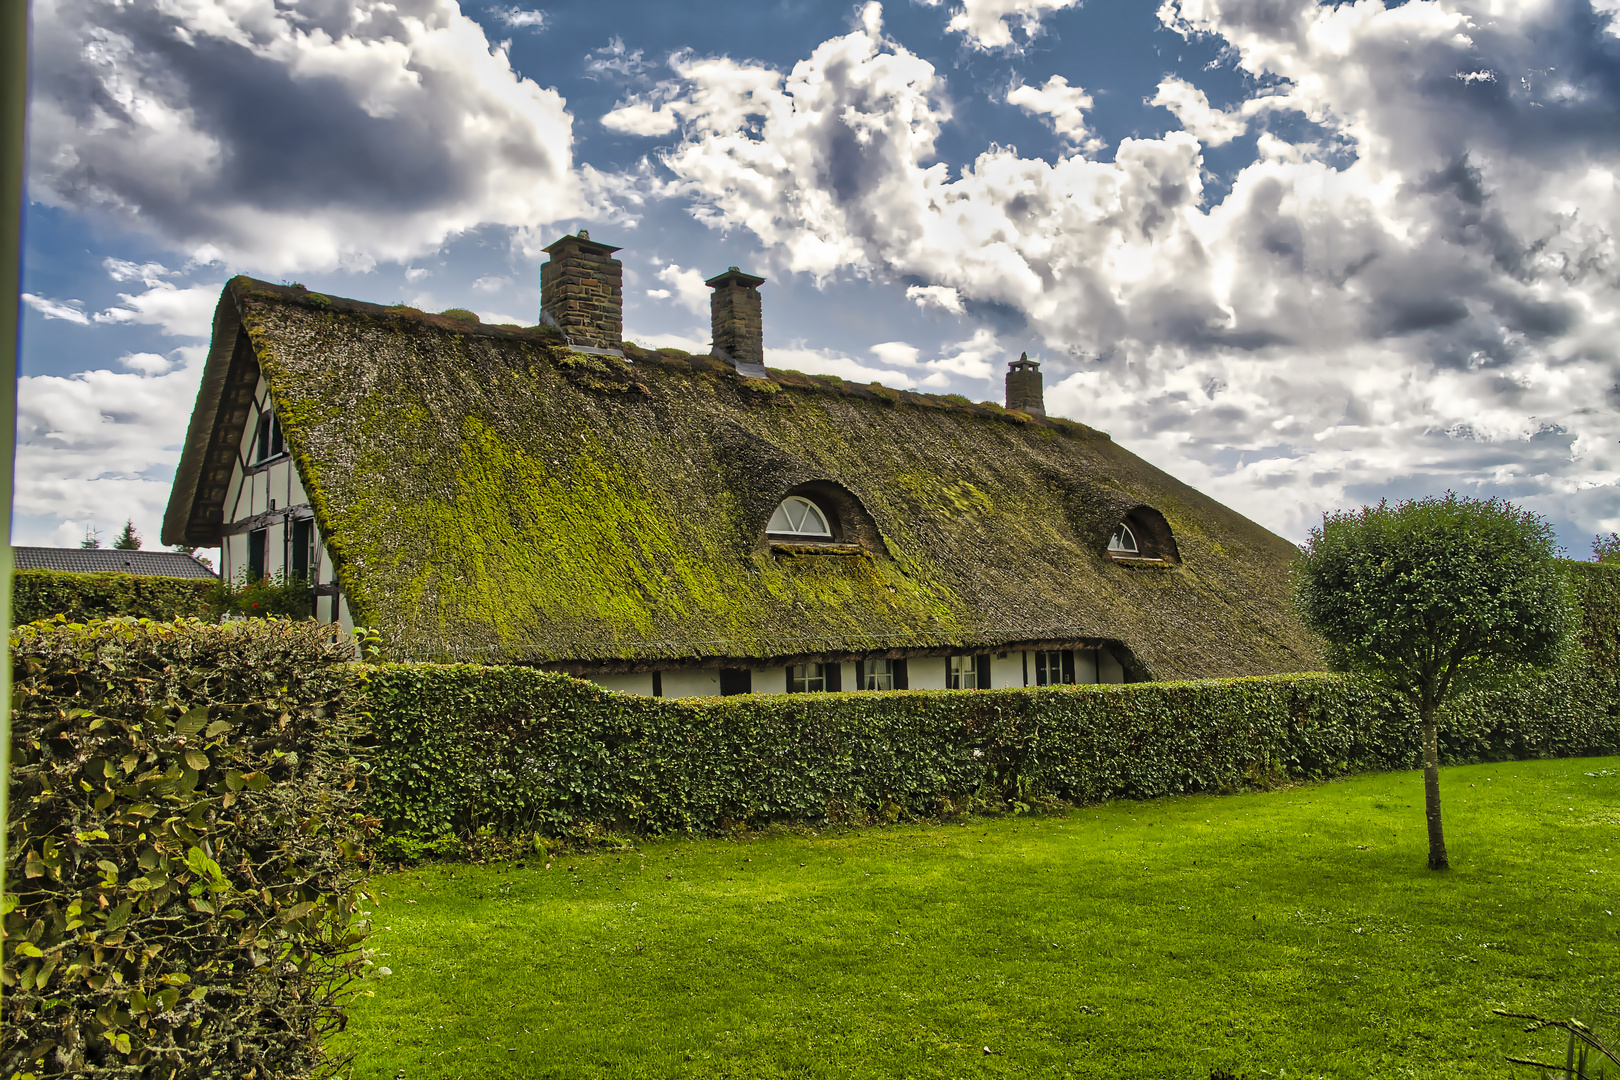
pixel 129 539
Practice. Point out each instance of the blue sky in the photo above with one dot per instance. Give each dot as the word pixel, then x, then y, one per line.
pixel 1300 255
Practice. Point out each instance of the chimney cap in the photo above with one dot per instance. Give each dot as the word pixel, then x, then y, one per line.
pixel 1024 363
pixel 734 276
pixel 582 240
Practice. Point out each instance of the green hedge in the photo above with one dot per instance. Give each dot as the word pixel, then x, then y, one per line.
pixel 183 850
pixel 39 594
pixel 459 748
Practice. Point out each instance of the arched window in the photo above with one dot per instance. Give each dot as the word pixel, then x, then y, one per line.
pixel 1123 540
pixel 798 516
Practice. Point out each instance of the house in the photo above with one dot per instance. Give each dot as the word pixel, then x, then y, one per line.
pixel 674 524
pixel 171 564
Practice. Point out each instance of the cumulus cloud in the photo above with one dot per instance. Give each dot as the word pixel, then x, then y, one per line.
pixel 293 135
pixel 831 362
pixel 686 286
pixel 1062 106
pixel 178 312
pixel 990 24
pixel 1419 291
pixel 70 310
pixel 100 447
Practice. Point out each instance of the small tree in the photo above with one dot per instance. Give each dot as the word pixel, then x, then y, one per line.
pixel 129 539
pixel 1432 598
pixel 1606 548
pixel 92 537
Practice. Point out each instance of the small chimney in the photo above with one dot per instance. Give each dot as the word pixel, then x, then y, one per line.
pixel 737 322
pixel 1024 387
pixel 582 293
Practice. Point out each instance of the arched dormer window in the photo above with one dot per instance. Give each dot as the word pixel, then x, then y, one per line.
pixel 1123 540
pixel 1143 538
pixel 799 518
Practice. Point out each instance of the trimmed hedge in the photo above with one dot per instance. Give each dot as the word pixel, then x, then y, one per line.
pixel 184 839
pixel 462 748
pixel 39 594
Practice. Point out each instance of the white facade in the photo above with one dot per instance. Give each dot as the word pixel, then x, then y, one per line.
pixel 1007 669
pixel 269 526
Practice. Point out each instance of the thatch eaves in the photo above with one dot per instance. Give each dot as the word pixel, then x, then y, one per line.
pixel 487 493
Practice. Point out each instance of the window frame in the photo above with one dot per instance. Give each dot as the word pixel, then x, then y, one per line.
pixel 799 679
pixel 1116 545
pixel 827 537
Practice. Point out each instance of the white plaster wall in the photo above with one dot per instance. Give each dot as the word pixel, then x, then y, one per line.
pixel 634 683
pixel 1108 668
pixel 770 680
pixel 1006 670
pixel 699 682
pixel 926 672
pixel 1085 665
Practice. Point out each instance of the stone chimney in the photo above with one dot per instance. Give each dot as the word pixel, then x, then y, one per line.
pixel 1024 387
pixel 735 316
pixel 582 293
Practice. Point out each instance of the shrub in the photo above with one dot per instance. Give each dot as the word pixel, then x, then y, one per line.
pixel 263 597
pixel 184 838
pixel 39 594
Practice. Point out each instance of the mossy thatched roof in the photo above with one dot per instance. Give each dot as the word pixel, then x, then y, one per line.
pixel 487 493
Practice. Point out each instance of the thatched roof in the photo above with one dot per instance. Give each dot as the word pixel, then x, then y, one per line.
pixel 487 493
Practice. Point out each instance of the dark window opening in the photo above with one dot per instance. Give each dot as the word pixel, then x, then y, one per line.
pixel 270 440
pixel 258 542
pixel 658 684
pixel 736 680
pixel 303 548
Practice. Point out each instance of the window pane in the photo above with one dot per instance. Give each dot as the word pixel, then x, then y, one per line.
pixel 806 679
pixel 879 675
pixel 962 674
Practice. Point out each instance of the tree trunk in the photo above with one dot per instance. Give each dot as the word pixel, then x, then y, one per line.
pixel 1431 790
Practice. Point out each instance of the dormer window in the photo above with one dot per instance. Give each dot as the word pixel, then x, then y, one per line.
pixel 800 519
pixel 1123 540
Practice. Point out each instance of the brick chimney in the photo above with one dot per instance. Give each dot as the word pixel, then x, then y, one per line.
pixel 737 322
pixel 1024 387
pixel 582 293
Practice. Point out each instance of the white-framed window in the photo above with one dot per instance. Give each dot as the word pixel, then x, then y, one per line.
pixel 268 443
pixel 1123 540
pixel 806 678
pixel 1050 669
pixel 798 516
pixel 963 673
pixel 877 675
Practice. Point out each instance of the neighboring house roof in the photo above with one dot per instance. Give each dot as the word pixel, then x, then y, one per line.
pixel 487 493
pixel 176 564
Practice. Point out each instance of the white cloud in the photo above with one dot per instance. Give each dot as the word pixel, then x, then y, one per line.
pixel 989 24
pixel 684 342
pixel 831 362
pixel 70 310
pixel 613 59
pixel 520 18
pixel 940 296
pixel 1063 106
pixel 1418 293
pixel 100 447
pixel 179 312
pixel 896 353
pixel 687 286
pixel 398 125
pixel 496 318
pixel 489 283
pixel 640 116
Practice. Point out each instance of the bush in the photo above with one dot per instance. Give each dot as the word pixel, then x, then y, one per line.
pixel 456 749
pixel 184 846
pixel 270 595
pixel 39 594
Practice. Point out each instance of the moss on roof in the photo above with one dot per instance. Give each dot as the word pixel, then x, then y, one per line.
pixel 488 493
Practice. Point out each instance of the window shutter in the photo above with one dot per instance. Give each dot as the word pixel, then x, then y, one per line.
pixel 901 681
pixel 981 664
pixel 834 673
pixel 790 678
pixel 1025 657
pixel 1068 665
pixel 658 683
pixel 860 674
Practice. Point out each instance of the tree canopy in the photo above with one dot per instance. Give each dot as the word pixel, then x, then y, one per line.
pixel 1432 597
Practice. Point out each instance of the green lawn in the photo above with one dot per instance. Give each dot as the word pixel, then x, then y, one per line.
pixel 1293 933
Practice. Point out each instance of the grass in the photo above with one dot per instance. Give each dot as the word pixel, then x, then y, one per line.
pixel 1292 933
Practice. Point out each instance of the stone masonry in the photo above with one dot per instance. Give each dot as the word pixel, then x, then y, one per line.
pixel 736 320
pixel 1024 387
pixel 582 292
